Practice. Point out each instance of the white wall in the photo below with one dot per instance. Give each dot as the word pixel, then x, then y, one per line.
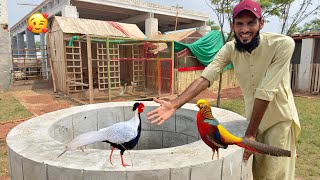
pixel 307 52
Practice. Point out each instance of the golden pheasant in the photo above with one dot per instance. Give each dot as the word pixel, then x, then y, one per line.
pixel 216 136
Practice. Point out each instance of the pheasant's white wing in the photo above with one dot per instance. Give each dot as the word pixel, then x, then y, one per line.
pixel 120 133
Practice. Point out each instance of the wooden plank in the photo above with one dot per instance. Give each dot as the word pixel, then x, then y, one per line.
pixel 312 74
pixel 314 77
pixel 53 76
pixel 310 78
pixel 109 80
pixel 317 79
pixel 297 66
pixel 77 83
pixel 63 67
pixel 90 69
pixel 172 68
pixel 159 78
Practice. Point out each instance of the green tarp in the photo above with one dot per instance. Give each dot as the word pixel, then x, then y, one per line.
pixel 205 48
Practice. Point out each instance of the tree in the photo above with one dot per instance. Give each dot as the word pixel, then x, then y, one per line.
pixel 312 26
pixel 223 11
pixel 213 25
pixel 283 10
pixel 38 44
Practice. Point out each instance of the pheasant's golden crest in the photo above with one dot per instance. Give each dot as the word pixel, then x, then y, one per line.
pixel 205 108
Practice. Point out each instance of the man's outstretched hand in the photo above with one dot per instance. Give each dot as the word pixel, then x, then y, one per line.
pixel 162 113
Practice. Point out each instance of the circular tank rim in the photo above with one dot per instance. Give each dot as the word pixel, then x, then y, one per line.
pixel 23 142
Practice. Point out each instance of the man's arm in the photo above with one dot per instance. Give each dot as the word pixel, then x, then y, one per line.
pixel 259 108
pixel 166 109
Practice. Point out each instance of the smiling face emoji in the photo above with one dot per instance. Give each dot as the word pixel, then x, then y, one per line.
pixel 37 23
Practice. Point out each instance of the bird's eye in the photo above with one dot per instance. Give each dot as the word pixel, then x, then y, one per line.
pixel 34 23
pixel 41 24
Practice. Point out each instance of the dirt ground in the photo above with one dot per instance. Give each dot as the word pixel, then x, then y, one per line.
pixel 230 93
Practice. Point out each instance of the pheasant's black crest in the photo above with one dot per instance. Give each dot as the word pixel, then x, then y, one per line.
pixel 135 106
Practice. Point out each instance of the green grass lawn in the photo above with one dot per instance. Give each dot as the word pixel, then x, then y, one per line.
pixel 308 147
pixel 11 109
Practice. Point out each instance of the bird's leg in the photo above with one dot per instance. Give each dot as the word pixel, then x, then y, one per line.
pixel 82 149
pixel 217 154
pixel 110 157
pixel 212 154
pixel 123 164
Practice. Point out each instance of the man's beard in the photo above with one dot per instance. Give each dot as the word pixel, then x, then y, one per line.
pixel 247 47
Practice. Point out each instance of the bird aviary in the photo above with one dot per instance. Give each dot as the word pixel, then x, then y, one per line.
pixel 30 63
pixel 100 69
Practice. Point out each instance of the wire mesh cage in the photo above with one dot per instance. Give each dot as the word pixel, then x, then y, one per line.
pixel 30 64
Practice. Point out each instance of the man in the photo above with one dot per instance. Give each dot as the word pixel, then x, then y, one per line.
pixel 261 64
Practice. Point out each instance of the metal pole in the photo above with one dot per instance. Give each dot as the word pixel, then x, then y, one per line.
pixel 177 13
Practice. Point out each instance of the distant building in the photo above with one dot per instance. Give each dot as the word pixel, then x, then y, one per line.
pixel 305 63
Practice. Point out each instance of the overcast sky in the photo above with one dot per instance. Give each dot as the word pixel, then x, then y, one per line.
pixel 16 12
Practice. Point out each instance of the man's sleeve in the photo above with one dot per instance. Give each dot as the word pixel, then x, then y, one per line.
pixel 276 70
pixel 222 59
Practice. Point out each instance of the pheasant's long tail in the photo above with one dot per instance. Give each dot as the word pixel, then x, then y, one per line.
pixel 83 140
pixel 263 148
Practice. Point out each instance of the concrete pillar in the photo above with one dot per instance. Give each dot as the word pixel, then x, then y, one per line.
pixel 31 45
pixel 20 45
pixel 44 69
pixel 3 12
pixel 307 52
pixel 205 29
pixel 151 27
pixel 14 47
pixel 5 59
pixel 5 48
pixel 70 11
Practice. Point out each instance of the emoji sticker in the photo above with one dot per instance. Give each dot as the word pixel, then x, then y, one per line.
pixel 37 23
